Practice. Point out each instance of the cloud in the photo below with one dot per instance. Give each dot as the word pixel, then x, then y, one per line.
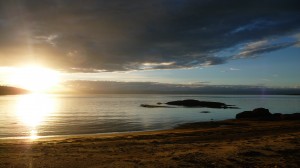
pixel 48 39
pixel 260 47
pixel 136 35
pixel 255 25
pixel 297 36
pixel 234 69
pixel 154 87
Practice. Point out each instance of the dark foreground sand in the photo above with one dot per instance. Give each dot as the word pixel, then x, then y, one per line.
pixel 229 143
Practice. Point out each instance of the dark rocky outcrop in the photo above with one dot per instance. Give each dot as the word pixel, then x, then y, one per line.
pixel 264 114
pixel 259 113
pixel 197 103
pixel 277 116
pixel 205 112
pixel 295 116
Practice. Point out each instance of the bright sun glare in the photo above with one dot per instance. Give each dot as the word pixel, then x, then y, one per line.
pixel 33 110
pixel 35 78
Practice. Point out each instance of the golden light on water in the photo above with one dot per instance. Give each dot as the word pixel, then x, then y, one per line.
pixel 33 135
pixel 33 109
pixel 35 78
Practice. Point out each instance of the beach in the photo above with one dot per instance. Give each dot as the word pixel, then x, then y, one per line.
pixel 149 84
pixel 229 143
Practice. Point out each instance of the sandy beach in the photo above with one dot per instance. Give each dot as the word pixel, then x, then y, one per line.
pixel 230 143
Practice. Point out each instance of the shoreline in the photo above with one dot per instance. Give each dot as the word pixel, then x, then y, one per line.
pixel 53 137
pixel 228 143
pixel 108 134
pixel 111 134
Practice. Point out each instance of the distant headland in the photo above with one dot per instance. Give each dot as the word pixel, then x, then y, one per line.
pixel 9 90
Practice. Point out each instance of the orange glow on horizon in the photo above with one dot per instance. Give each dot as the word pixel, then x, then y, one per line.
pixel 35 78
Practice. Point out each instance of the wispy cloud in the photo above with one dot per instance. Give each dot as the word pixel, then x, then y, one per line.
pixel 48 39
pixel 257 24
pixel 234 69
pixel 297 36
pixel 256 48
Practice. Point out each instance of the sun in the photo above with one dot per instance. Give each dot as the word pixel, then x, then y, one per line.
pixel 35 78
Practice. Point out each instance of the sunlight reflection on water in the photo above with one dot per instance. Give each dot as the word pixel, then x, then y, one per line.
pixel 32 110
pixel 38 115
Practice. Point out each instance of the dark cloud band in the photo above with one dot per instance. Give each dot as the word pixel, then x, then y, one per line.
pixel 132 35
pixel 153 87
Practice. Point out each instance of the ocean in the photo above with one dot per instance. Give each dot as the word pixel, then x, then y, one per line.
pixel 42 115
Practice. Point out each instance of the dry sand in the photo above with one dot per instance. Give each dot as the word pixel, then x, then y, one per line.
pixel 229 143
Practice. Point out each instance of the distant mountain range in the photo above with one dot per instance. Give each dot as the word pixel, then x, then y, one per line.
pixel 9 90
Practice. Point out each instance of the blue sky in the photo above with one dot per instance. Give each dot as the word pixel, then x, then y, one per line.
pixel 274 69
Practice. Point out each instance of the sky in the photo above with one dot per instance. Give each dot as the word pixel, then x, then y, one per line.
pixel 195 43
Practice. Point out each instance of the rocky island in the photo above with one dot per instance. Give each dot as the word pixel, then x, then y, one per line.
pixel 191 103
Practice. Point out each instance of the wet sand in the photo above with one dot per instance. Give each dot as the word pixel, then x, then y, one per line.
pixel 231 143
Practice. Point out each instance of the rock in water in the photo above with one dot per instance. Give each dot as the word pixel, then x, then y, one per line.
pixel 295 116
pixel 264 114
pixel 197 103
pixel 258 113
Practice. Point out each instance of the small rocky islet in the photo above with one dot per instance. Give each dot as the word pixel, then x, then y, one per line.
pixel 190 103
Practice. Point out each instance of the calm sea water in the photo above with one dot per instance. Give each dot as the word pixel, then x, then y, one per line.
pixel 32 116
